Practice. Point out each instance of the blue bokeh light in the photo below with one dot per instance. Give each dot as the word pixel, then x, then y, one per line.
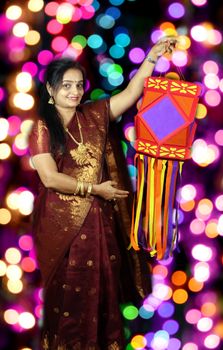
pixel 122 39
pixel 116 51
pixel 114 12
pixel 116 2
pixel 166 309
pixel 95 41
pixel 105 21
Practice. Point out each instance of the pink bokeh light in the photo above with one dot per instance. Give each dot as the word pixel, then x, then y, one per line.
pixel 51 8
pixel 44 57
pixel 136 55
pixel 54 27
pixel 31 68
pixel 59 44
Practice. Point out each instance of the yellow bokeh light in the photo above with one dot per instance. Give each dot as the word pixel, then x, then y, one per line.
pixel 207 25
pixel 194 285
pixel 138 342
pixel 26 199
pixel 23 82
pixel 180 296
pixel 12 200
pixel 35 5
pixel 183 42
pixel 187 206
pixel 21 141
pixel 211 229
pixel 3 268
pixel 218 329
pixel 23 101
pixel 20 29
pixel 26 126
pixel 201 111
pixel 208 309
pixel 170 32
pixel 13 256
pixel 11 316
pixel 5 216
pixel 211 154
pixel 13 12
pixel 205 206
pixel 26 320
pixel 15 287
pixel 14 272
pixel 4 127
pixel 32 37
pixel 64 13
pixel 5 151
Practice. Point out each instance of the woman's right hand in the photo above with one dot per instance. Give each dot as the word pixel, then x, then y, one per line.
pixel 108 191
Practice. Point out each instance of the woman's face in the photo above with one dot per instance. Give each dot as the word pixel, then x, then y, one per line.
pixel 71 90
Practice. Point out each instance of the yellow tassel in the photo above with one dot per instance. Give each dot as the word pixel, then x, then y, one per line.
pixel 141 178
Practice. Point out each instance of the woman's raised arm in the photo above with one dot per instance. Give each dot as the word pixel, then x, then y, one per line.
pixel 122 101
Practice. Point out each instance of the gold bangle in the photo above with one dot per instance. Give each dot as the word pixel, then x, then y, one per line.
pixel 81 188
pixel 77 188
pixel 89 189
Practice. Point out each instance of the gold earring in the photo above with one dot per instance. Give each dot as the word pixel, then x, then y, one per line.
pixel 51 101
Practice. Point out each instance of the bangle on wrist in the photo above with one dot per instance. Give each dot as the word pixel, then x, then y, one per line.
pixel 151 60
pixel 77 188
pixel 89 189
pixel 81 188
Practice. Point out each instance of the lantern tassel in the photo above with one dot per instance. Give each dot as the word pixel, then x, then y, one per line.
pixel 154 202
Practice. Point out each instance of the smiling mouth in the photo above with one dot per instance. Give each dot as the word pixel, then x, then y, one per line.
pixel 73 98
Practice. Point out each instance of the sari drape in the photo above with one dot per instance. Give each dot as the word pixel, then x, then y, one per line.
pixel 78 246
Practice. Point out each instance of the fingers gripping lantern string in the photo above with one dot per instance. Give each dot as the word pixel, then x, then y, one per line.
pixel 165 129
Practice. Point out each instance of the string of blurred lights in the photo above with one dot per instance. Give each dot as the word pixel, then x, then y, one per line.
pixel 175 291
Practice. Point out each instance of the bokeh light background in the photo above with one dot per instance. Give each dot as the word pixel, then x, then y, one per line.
pixel 111 38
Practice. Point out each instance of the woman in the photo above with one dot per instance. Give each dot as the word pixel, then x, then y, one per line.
pixel 80 204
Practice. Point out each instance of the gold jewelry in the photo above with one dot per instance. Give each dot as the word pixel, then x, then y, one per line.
pixel 79 128
pixel 79 154
pixel 51 101
pixel 77 188
pixel 81 188
pixel 89 189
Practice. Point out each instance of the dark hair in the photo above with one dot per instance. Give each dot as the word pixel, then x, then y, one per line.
pixel 53 75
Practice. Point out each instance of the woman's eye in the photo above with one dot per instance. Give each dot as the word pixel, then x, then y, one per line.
pixel 80 86
pixel 66 86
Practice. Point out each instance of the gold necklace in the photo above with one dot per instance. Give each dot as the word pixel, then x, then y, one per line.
pixel 80 153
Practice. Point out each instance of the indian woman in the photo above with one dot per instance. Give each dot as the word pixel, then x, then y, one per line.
pixel 81 212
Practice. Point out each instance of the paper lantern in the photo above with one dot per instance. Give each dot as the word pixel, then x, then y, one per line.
pixel 165 129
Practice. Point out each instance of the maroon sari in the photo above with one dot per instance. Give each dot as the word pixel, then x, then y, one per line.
pixel 78 243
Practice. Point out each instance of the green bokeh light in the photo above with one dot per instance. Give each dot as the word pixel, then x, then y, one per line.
pixel 97 94
pixel 130 312
pixel 79 39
